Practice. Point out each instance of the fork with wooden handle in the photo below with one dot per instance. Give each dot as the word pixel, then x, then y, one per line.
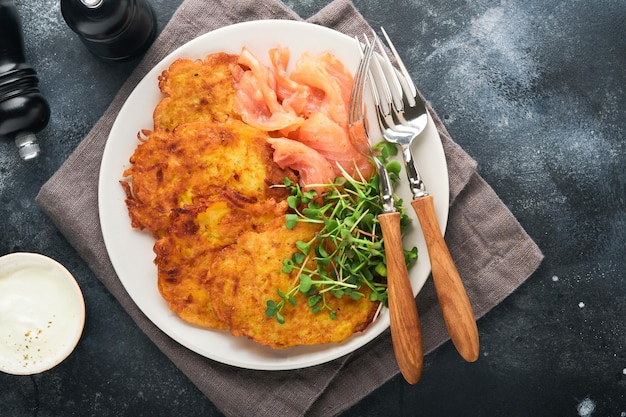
pixel 403 117
pixel 404 322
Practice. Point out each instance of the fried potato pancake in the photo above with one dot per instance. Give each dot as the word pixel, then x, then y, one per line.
pixel 201 182
pixel 196 90
pixel 185 254
pixel 199 161
pixel 247 274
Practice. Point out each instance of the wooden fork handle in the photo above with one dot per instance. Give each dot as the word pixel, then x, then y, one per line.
pixel 453 299
pixel 405 326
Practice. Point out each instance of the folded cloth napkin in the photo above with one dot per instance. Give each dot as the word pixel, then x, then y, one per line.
pixel 493 253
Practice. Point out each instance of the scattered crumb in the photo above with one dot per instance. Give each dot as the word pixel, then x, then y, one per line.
pixel 586 407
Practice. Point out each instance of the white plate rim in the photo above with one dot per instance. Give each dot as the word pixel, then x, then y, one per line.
pixel 130 251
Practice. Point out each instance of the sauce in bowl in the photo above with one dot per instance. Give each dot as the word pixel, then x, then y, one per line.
pixel 42 313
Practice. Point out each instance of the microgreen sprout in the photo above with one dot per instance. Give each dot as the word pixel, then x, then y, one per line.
pixel 347 255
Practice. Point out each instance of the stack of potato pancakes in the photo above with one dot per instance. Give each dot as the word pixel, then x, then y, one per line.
pixel 202 182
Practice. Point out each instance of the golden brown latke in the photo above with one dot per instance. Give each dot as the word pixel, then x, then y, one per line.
pixel 185 254
pixel 247 274
pixel 198 161
pixel 196 90
pixel 200 182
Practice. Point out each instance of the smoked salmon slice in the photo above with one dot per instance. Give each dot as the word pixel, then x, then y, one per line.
pixel 255 97
pixel 304 100
pixel 332 141
pixel 306 111
pixel 313 168
pixel 323 73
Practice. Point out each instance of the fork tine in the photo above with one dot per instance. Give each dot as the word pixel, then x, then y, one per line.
pixel 381 90
pixel 356 110
pixel 412 90
pixel 390 78
pixel 387 91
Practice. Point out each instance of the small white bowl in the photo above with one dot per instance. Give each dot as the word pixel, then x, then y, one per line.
pixel 42 313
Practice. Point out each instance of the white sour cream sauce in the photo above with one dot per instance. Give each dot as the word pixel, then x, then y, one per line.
pixel 42 313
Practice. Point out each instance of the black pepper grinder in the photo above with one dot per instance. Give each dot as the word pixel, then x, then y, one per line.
pixel 23 110
pixel 113 30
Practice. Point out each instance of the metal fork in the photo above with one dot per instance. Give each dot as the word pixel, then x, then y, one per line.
pixel 404 322
pixel 403 117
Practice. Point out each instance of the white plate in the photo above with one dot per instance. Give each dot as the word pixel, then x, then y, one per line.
pixel 131 251
pixel 42 313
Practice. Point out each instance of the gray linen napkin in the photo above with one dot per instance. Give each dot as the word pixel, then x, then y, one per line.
pixel 492 251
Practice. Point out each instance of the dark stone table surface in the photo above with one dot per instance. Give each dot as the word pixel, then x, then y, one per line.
pixel 534 90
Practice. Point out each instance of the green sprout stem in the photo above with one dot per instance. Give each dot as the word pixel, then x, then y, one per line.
pixel 347 254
